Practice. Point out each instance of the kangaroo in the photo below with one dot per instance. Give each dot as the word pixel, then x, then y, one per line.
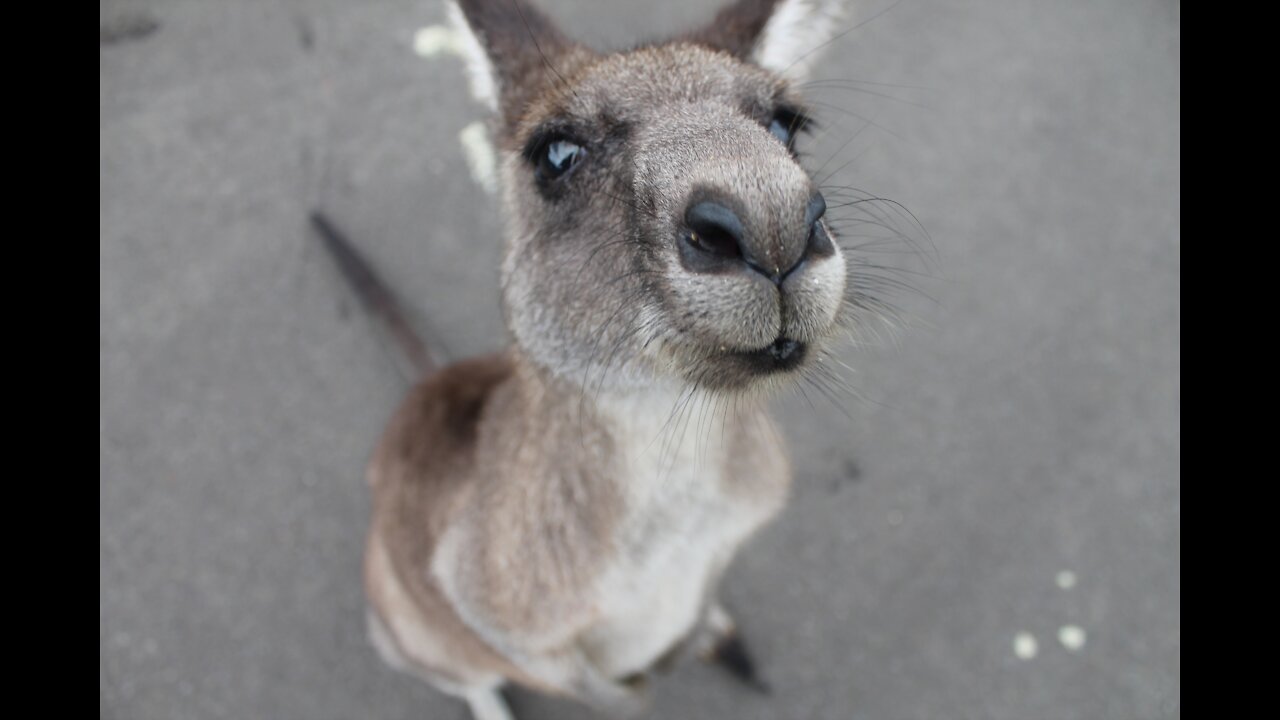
pixel 555 515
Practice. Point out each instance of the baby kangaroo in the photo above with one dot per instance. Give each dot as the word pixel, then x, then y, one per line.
pixel 559 515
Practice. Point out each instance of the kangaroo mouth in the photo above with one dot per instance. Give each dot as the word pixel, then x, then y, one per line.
pixel 782 355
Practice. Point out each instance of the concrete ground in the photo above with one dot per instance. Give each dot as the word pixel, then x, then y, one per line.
pixel 1011 476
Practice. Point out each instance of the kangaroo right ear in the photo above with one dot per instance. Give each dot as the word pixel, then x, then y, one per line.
pixel 779 35
pixel 509 46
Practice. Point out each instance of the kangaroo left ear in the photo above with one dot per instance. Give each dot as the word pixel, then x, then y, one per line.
pixel 510 48
pixel 779 35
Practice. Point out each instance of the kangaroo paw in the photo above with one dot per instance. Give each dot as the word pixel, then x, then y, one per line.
pixel 486 703
pixel 723 645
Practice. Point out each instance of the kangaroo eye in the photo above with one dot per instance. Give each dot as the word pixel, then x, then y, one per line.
pixel 786 124
pixel 780 131
pixel 558 157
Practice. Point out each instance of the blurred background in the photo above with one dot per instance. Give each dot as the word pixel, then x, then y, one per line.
pixel 990 531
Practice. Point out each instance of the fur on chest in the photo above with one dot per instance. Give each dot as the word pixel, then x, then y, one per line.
pixel 681 475
pixel 688 505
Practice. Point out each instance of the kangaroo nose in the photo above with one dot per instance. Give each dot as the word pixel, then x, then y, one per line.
pixel 717 240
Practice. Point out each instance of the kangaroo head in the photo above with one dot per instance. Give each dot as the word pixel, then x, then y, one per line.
pixel 659 223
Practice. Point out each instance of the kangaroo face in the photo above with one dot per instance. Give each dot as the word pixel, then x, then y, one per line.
pixel 660 223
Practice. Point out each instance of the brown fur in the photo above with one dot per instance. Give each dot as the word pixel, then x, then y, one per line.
pixel 445 461
pixel 419 477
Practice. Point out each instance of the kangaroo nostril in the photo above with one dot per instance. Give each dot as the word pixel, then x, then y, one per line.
pixel 819 242
pixel 817 208
pixel 715 229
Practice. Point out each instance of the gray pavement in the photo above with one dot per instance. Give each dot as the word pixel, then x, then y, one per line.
pixel 1028 424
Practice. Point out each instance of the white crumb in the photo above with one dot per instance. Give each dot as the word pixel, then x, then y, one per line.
pixel 1072 637
pixel 1025 646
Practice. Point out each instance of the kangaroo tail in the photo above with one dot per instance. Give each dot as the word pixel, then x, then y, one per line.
pixel 414 358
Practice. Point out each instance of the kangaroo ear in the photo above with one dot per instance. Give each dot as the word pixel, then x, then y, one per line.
pixel 779 35
pixel 508 45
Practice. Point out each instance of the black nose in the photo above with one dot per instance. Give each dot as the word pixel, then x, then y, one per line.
pixel 718 240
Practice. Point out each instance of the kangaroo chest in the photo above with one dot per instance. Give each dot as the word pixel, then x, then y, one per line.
pixel 687 509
